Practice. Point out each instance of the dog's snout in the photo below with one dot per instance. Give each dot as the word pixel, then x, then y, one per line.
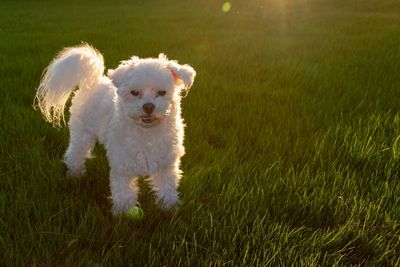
pixel 149 108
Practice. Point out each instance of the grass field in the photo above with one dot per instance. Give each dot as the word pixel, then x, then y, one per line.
pixel 293 137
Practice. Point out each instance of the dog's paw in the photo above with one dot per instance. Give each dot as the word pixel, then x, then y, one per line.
pixel 169 200
pixel 76 172
pixel 117 211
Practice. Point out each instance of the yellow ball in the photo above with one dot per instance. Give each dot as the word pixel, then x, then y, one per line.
pixel 135 213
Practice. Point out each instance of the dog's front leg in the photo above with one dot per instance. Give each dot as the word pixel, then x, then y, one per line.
pixel 165 185
pixel 123 191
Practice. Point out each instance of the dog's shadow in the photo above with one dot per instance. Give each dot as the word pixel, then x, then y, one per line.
pixel 92 192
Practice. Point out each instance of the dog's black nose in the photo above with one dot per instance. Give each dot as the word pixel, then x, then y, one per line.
pixel 149 108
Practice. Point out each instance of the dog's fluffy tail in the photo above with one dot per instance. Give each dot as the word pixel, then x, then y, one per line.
pixel 81 66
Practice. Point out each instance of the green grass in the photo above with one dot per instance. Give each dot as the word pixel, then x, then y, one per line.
pixel 293 137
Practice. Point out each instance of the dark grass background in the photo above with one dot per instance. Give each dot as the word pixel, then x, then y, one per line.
pixel 293 137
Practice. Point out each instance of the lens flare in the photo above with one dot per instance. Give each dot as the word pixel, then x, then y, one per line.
pixel 226 7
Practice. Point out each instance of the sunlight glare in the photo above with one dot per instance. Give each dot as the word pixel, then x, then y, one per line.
pixel 226 7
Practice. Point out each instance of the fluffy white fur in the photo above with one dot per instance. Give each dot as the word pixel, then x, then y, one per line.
pixel 139 140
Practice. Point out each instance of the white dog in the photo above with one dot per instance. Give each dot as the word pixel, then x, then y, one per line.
pixel 134 111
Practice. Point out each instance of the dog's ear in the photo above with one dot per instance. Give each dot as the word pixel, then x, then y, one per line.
pixel 119 75
pixel 182 74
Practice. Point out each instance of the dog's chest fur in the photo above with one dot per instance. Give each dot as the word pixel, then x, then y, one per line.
pixel 143 151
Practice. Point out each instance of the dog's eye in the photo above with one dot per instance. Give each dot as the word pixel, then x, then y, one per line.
pixel 134 93
pixel 162 93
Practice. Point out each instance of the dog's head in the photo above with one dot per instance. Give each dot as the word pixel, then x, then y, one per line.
pixel 149 89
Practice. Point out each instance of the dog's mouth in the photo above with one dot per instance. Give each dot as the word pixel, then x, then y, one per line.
pixel 148 119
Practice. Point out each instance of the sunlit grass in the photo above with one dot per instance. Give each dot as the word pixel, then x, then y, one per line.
pixel 292 135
